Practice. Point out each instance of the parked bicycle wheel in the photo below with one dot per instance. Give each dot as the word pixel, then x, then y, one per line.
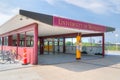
pixel 6 57
pixel 18 57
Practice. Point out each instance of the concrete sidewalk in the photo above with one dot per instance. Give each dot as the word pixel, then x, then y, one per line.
pixel 107 68
pixel 7 67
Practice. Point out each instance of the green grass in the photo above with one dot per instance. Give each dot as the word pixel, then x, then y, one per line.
pixel 113 48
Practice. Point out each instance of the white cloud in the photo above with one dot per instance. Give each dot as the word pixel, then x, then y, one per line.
pixel 6 16
pixel 96 6
pixel 7 12
pixel 91 5
pixel 115 6
pixel 15 10
pixel 51 1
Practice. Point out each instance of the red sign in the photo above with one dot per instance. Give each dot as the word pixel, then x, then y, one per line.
pixel 67 23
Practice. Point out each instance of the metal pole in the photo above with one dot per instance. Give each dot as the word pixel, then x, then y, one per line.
pixel 103 45
pixel 25 40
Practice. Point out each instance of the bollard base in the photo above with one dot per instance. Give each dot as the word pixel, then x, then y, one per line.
pixel 78 58
pixel 24 64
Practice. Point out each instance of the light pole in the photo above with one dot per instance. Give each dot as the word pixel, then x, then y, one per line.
pixel 116 35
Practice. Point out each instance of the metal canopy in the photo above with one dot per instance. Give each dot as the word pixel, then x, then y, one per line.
pixel 45 25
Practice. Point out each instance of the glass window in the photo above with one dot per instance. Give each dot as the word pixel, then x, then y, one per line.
pixel 0 41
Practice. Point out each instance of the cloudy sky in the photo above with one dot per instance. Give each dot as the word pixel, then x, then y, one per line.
pixel 104 12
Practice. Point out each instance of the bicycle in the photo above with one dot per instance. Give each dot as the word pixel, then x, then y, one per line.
pixel 5 57
pixel 10 56
pixel 16 57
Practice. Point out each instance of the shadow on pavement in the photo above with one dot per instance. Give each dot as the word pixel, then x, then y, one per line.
pixel 85 65
pixel 88 62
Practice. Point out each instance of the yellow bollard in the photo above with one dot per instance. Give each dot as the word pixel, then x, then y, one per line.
pixel 78 44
